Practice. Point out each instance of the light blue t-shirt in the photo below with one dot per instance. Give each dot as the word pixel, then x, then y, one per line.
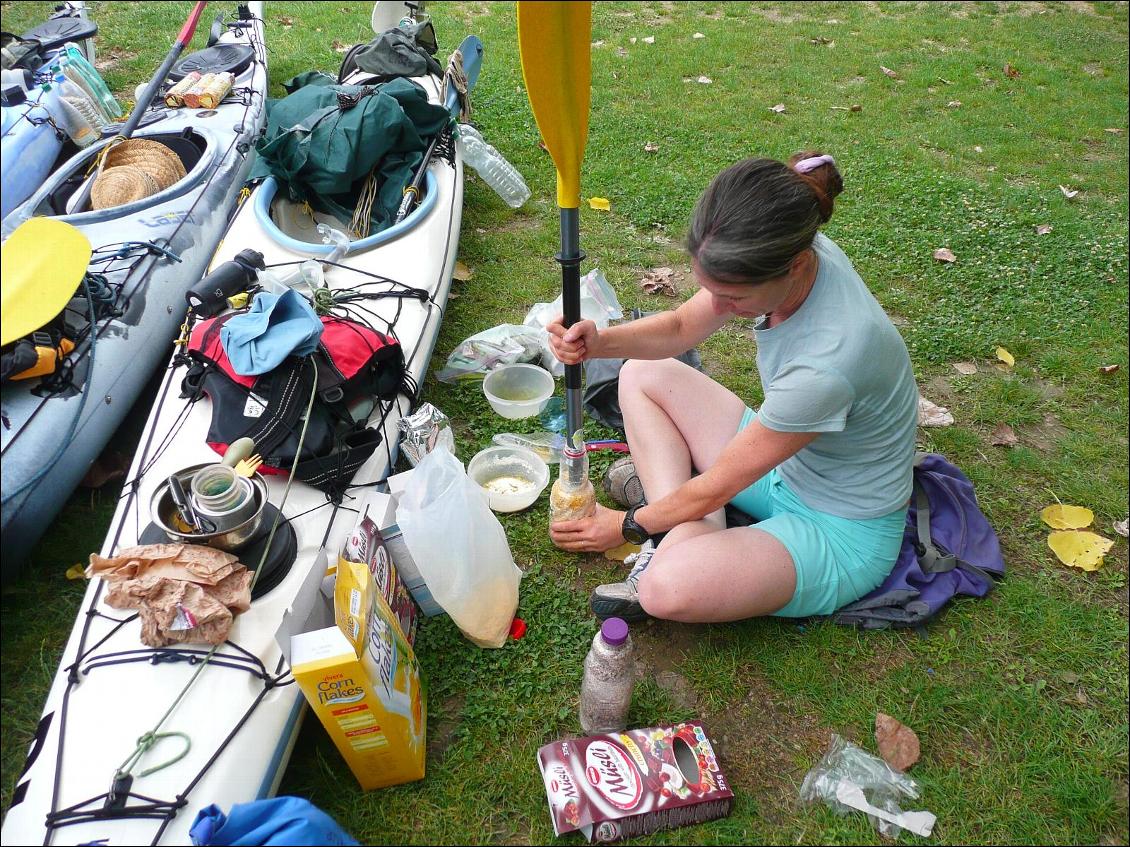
pixel 839 367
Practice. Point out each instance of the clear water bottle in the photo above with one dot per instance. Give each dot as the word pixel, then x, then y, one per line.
pixel 492 166
pixel 610 675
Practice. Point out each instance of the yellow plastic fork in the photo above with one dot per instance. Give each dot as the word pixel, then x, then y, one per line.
pixel 247 467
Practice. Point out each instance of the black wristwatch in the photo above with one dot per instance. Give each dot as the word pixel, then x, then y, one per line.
pixel 631 530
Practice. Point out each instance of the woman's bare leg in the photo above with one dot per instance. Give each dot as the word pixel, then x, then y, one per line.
pixel 678 420
pixel 726 575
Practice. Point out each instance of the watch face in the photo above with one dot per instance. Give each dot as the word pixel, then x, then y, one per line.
pixel 632 531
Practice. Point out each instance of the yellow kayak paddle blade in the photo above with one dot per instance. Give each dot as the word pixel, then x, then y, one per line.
pixel 554 39
pixel 43 262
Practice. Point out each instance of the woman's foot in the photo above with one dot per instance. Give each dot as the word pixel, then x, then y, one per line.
pixel 622 599
pixel 622 483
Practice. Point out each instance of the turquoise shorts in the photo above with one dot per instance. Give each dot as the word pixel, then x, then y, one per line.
pixel 837 560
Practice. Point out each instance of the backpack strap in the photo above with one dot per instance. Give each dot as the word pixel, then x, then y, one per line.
pixel 933 558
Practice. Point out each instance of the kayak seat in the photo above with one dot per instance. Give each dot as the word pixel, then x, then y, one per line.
pixel 295 231
pixel 188 145
pixel 230 58
pixel 54 33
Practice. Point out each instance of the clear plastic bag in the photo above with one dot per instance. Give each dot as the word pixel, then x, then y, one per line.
pixel 598 304
pixel 844 767
pixel 504 344
pixel 460 548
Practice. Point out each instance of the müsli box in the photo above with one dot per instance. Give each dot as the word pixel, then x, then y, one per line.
pixel 624 784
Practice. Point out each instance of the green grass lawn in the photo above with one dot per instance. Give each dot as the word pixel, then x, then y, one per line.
pixel 1020 701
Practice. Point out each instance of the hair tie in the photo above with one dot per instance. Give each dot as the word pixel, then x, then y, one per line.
pixel 812 163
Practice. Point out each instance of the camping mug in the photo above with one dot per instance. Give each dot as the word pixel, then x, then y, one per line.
pixel 223 496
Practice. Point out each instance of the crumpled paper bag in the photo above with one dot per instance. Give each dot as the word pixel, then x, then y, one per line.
pixel 182 592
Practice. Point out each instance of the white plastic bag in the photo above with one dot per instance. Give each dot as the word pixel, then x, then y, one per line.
pixel 460 548
pixel 598 304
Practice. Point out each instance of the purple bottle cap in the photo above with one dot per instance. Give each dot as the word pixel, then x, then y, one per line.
pixel 614 631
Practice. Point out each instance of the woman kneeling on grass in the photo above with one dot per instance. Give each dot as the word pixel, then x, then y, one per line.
pixel 824 467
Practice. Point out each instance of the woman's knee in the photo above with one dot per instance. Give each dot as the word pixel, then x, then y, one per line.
pixel 661 597
pixel 644 375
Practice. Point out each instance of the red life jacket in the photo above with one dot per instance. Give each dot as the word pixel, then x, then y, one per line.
pixel 354 365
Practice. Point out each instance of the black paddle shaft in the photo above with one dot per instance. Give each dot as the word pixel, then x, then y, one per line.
pixel 570 258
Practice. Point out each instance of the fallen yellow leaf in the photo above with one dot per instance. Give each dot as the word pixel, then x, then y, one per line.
pixel 1083 550
pixel 600 203
pixel 1005 357
pixel 76 572
pixel 1059 516
pixel 462 272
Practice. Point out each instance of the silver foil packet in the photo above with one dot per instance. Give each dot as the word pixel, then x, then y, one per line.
pixel 421 431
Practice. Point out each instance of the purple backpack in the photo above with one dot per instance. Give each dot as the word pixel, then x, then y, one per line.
pixel 948 549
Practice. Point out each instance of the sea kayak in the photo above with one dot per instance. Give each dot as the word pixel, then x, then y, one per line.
pixel 147 253
pixel 241 709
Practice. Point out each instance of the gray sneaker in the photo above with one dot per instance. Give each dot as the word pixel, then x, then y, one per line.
pixel 622 599
pixel 622 483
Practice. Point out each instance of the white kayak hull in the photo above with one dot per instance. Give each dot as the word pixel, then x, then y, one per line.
pixel 244 714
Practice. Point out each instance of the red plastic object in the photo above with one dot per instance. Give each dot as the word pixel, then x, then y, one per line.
pixel 517 628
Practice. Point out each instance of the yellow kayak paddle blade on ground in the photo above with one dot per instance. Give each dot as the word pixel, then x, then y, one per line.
pixel 43 262
pixel 555 40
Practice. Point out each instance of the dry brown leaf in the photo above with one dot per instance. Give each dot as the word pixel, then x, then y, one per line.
pixel 1113 130
pixel 651 147
pixel 339 47
pixel 1004 436
pixel 1010 71
pixel 977 148
pixel 889 72
pixel 944 254
pixel 621 51
pixel 954 104
pixel 821 41
pixel 967 368
pixel 631 40
pixel 1108 369
pixel 286 21
pixel 598 44
pixel 462 272
pixel 541 144
pixel 855 107
pixel 659 281
pixel 1069 193
pixel 1122 527
pixel 930 414
pixel 779 108
pixel 898 744
pixel 649 40
pixel 1043 229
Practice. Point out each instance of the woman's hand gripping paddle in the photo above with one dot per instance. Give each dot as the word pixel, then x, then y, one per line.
pixel 43 264
pixel 554 41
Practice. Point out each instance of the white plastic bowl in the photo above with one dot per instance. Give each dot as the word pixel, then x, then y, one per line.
pixel 511 477
pixel 518 391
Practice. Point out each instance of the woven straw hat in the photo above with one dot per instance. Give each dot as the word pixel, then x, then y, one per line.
pixel 120 185
pixel 153 157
